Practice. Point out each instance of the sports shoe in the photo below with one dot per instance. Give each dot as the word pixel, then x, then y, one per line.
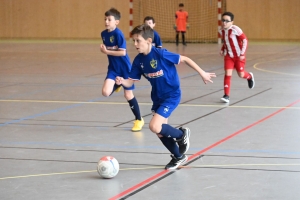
pixel 116 88
pixel 175 162
pixel 251 82
pixel 225 98
pixel 184 142
pixel 138 125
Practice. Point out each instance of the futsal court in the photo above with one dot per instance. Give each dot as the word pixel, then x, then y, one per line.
pixel 55 126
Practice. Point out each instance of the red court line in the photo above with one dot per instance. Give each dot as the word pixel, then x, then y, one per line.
pixel 139 185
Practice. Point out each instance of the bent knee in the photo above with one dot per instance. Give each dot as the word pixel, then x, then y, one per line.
pixel 106 93
pixel 128 94
pixel 155 129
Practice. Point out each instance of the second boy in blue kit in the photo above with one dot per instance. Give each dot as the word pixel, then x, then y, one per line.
pixel 156 40
pixel 114 46
pixel 158 67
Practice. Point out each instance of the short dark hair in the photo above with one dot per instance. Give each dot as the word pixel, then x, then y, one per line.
pixel 228 14
pixel 181 5
pixel 144 30
pixel 113 12
pixel 149 18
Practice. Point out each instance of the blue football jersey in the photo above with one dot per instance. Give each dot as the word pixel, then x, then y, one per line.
pixel 156 41
pixel 159 69
pixel 115 40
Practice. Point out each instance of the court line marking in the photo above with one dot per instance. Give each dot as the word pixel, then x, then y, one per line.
pixel 194 156
pixel 123 103
pixel 146 168
pixel 274 72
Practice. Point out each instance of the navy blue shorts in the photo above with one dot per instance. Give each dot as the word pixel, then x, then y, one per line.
pixel 166 107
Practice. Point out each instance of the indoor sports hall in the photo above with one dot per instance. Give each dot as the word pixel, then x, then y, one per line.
pixel 55 124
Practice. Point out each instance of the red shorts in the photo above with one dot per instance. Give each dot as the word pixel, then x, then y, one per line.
pixel 234 63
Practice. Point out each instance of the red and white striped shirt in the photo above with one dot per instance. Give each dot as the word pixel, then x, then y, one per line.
pixel 234 40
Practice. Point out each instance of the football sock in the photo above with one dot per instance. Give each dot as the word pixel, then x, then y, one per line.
pixel 171 145
pixel 247 75
pixel 227 80
pixel 135 108
pixel 170 132
pixel 114 89
pixel 177 38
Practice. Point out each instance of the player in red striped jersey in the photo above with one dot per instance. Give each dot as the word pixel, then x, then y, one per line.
pixel 234 49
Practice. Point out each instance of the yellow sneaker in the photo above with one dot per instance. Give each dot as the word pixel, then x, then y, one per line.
pixel 118 88
pixel 138 125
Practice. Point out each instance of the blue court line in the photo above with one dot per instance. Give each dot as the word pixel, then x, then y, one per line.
pixel 72 106
pixel 39 115
pixel 57 110
pixel 49 89
pixel 58 144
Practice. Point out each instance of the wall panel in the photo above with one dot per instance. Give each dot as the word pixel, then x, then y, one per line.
pixel 267 19
pixel 58 18
pixel 259 19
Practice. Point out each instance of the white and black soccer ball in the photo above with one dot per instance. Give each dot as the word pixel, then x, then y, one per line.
pixel 108 167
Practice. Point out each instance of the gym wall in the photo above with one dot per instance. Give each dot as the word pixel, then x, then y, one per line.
pixel 78 19
pixel 267 19
pixel 58 19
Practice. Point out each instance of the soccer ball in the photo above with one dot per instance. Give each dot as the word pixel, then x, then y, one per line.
pixel 108 167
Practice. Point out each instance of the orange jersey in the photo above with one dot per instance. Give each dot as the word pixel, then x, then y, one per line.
pixel 181 20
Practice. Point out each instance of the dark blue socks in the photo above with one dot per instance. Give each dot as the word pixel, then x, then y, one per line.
pixel 171 145
pixel 135 108
pixel 170 132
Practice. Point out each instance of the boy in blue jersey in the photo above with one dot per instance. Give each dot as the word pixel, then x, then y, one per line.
pixel 114 45
pixel 158 66
pixel 156 40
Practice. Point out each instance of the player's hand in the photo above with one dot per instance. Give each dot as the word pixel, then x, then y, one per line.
pixel 175 27
pixel 242 57
pixel 221 53
pixel 206 77
pixel 187 26
pixel 119 80
pixel 103 48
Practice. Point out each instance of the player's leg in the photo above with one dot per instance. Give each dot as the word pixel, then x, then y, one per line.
pixel 228 67
pixel 244 74
pixel 167 134
pixel 108 86
pixel 158 126
pixel 181 135
pixel 183 38
pixel 134 106
pixel 177 38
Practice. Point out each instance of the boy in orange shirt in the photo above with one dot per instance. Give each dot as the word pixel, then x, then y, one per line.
pixel 181 23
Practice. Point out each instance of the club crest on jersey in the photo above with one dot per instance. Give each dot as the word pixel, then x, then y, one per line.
pixel 153 63
pixel 112 39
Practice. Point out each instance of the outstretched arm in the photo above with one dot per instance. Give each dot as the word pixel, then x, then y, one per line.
pixel 206 77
